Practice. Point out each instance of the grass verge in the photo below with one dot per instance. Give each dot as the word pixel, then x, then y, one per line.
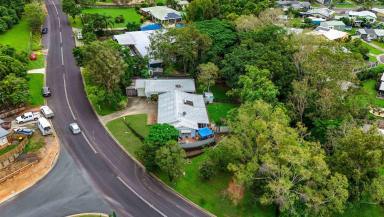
pixel 372 50
pixel 125 136
pixel 35 143
pixel 38 63
pixel 130 15
pixel 35 83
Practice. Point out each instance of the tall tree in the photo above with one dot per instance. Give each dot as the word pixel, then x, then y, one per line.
pixel 280 167
pixel 171 159
pixel 208 73
pixel 183 47
pixel 71 8
pixel 35 15
pixel 13 91
pixel 255 85
pixel 199 10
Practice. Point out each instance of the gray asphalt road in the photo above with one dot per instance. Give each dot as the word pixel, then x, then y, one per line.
pixel 115 177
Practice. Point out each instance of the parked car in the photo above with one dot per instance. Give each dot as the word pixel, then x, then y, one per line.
pixel 44 126
pixel 28 116
pixel 23 131
pixel 44 30
pixel 75 129
pixel 46 91
pixel 46 111
pixel 79 36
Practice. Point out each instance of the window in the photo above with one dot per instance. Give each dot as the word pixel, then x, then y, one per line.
pixel 188 102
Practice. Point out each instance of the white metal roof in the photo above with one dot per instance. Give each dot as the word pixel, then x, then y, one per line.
pixel 379 32
pixel 3 132
pixel 362 14
pixel 330 34
pixel 138 39
pixel 161 12
pixel 321 11
pixel 378 10
pixel 182 110
pixel 382 77
pixel 381 88
pixel 332 23
pixel 165 85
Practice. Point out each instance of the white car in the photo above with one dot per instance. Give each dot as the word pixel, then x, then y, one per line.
pixel 28 116
pixel 46 111
pixel 75 129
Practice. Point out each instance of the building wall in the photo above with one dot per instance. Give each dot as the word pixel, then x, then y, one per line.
pixel 3 141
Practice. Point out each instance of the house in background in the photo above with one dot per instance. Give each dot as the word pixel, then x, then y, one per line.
pixel 3 137
pixel 357 17
pixel 323 13
pixel 162 14
pixel 150 87
pixel 324 2
pixel 139 42
pixel 379 12
pixel 285 5
pixel 334 24
pixel 185 111
pixel 370 34
pixel 330 34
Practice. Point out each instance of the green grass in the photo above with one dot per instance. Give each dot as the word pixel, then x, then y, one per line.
pixel 7 149
pixel 38 63
pixel 345 5
pixel 372 49
pixel 35 83
pixel 130 15
pixel 210 194
pixel 219 93
pixel 372 58
pixel 217 111
pixel 368 94
pixel 17 37
pixel 378 43
pixel 35 143
pixel 364 210
pixel 125 136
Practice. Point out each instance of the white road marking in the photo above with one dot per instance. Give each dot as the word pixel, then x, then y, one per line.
pixel 61 39
pixel 89 143
pixel 59 24
pixel 62 55
pixel 66 97
pixel 57 12
pixel 141 198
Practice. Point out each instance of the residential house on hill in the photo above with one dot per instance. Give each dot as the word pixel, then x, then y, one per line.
pixel 359 16
pixel 370 34
pixel 150 87
pixel 330 34
pixel 323 13
pixel 162 14
pixel 3 137
pixel 334 24
pixel 185 111
pixel 297 5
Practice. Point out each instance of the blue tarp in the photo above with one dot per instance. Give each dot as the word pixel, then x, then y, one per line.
pixel 152 26
pixel 205 132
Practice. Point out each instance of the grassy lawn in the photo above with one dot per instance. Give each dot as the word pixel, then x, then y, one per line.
pixel 38 63
pixel 35 83
pixel 372 49
pixel 130 15
pixel 35 143
pixel 378 43
pixel 219 93
pixel 125 136
pixel 345 5
pixel 364 210
pixel 368 94
pixel 372 58
pixel 217 111
pixel 210 194
pixel 18 37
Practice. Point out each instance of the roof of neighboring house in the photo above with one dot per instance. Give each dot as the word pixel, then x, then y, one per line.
pixel 382 77
pixel 3 133
pixel 330 34
pixel 1 121
pixel 182 110
pixel 139 39
pixel 362 31
pixel 381 88
pixel 379 32
pixel 362 14
pixel 296 31
pixel 165 85
pixel 162 12
pixel 332 23
pixel 183 2
pixel 320 11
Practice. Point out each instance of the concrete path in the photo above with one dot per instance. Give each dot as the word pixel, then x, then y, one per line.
pixel 135 106
pixel 36 71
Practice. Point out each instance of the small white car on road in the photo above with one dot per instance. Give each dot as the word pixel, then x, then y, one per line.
pixel 75 129
pixel 28 116
pixel 46 111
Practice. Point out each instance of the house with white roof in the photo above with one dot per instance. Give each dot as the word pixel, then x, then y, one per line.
pixel 379 12
pixel 139 44
pixel 330 34
pixel 150 87
pixel 323 13
pixel 162 14
pixel 358 16
pixel 334 24
pixel 370 34
pixel 3 137
pixel 185 111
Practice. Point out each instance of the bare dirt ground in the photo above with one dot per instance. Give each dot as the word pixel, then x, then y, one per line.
pixel 45 159
pixel 135 106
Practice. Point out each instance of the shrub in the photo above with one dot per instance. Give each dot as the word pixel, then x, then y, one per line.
pixel 132 26
pixel 207 170
pixel 119 19
pixel 372 73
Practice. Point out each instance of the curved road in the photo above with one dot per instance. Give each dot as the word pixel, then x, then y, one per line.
pixel 96 175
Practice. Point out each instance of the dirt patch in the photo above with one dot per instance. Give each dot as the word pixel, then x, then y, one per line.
pixel 29 168
pixel 235 192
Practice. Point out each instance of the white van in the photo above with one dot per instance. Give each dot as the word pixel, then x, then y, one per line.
pixel 46 111
pixel 44 126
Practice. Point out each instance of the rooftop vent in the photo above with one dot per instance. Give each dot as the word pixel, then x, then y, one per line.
pixel 184 113
pixel 188 102
pixel 178 85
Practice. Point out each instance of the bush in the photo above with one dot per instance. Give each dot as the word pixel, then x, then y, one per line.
pixel 207 170
pixel 160 4
pixel 119 19
pixel 372 73
pixel 132 26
